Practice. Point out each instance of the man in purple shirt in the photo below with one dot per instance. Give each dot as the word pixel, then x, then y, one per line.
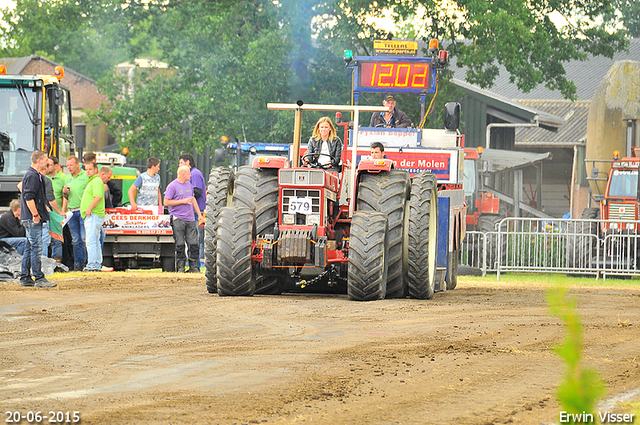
pixel 200 193
pixel 183 207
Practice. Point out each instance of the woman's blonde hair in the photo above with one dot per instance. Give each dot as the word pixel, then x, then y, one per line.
pixel 316 130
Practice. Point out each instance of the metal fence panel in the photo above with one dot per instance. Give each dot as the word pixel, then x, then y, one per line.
pixel 536 245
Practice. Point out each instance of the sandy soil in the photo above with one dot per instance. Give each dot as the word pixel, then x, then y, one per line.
pixel 126 348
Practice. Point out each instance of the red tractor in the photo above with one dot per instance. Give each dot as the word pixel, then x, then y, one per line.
pixel 288 228
pixel 619 205
pixel 377 229
pixel 483 211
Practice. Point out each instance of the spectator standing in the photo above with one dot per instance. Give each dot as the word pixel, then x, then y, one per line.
pixel 58 179
pixel 92 211
pixel 115 194
pixel 147 186
pixel 73 190
pixel 11 229
pixel 105 173
pixel 200 193
pixel 184 209
pixel 33 211
pixel 52 228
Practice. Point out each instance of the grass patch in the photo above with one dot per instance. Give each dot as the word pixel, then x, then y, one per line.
pixel 549 280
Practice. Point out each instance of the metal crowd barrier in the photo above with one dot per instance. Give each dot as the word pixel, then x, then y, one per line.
pixel 574 247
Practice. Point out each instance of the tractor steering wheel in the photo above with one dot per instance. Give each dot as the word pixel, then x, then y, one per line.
pixel 317 164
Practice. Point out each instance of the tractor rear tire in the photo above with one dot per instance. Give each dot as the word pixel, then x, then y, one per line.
pixel 236 233
pixel 367 271
pixel 581 240
pixel 258 189
pixel 423 236
pixel 218 190
pixel 168 264
pixel 488 224
pixel 388 193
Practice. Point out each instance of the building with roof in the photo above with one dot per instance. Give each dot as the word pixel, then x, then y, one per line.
pixel 543 121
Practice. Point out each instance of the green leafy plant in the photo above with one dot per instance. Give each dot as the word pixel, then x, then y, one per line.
pixel 581 386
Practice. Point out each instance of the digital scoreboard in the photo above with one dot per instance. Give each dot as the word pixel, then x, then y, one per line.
pixel 391 74
pixel 401 75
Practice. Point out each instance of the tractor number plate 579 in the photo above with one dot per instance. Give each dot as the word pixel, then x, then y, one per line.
pixel 299 205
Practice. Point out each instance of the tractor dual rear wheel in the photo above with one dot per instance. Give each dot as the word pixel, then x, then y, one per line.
pixel 423 236
pixel 258 189
pixel 367 271
pixel 236 233
pixel 387 192
pixel 219 188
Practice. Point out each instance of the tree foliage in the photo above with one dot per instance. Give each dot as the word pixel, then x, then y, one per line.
pixel 229 58
pixel 629 14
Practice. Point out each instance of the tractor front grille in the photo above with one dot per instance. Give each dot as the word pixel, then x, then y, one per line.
pixel 620 211
pixel 304 177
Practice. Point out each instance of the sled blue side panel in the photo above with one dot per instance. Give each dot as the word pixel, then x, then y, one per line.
pixel 443 232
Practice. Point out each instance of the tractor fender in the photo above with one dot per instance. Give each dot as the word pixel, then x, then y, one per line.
pixel 276 162
pixel 369 165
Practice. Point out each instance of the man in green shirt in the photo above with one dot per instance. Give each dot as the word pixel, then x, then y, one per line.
pixel 92 210
pixel 58 179
pixel 72 191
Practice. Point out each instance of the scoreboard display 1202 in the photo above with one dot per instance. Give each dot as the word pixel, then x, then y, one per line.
pixel 394 75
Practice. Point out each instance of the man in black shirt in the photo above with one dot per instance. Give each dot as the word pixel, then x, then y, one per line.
pixel 33 212
pixel 11 229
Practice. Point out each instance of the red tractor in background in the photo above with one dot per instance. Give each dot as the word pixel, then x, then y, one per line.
pixel 482 206
pixel 620 205
pixel 483 211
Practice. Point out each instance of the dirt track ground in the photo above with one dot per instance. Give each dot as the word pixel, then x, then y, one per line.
pixel 126 348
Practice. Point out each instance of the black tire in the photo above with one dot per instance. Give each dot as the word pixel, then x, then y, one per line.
pixel 258 189
pixel 168 264
pixel 218 190
pixel 367 271
pixel 581 239
pixel 454 259
pixel 236 232
pixel 387 192
pixel 107 261
pixel 423 236
pixel 488 223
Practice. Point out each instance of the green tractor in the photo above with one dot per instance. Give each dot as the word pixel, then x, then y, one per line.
pixel 123 176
